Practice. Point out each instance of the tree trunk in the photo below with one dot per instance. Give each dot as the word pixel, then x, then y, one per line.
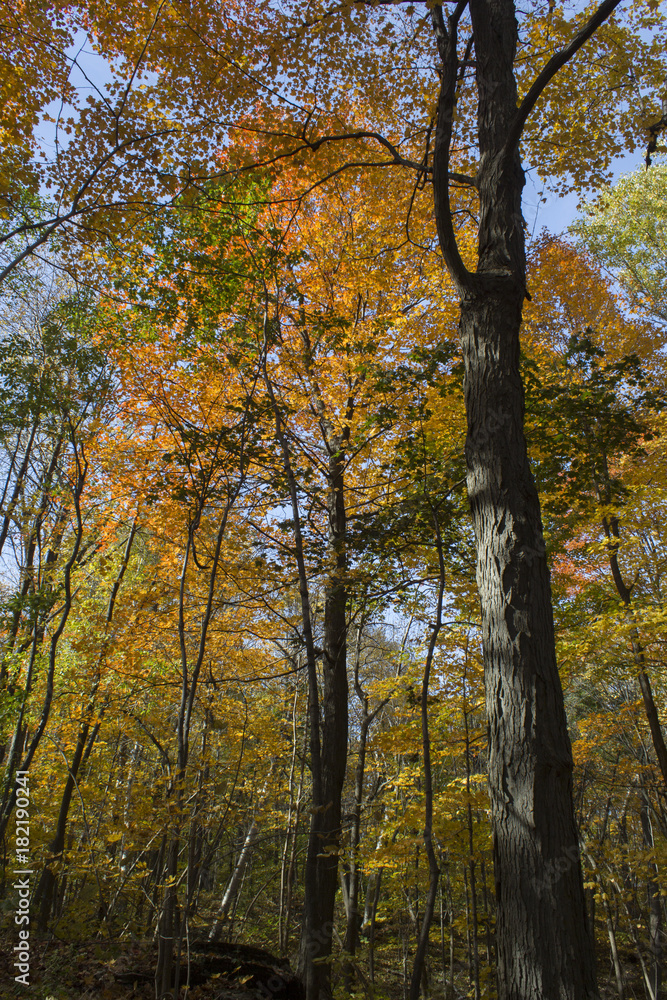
pixel 164 970
pixel 374 903
pixel 234 883
pixel 81 465
pixel 487 918
pixel 530 759
pixel 471 850
pixel 353 914
pixel 654 904
pixel 611 932
pixel 419 965
pixel 451 935
pixel 321 875
pixel 544 945
pixel 44 897
pixel 288 866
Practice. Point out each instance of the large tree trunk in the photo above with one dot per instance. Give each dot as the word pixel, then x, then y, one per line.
pixel 545 947
pixel 541 909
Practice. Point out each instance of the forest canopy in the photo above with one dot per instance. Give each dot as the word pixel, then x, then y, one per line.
pixel 333 501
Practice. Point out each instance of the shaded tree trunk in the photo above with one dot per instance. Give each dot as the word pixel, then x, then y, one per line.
pixel 544 945
pixel 166 928
pixel 471 847
pixel 530 759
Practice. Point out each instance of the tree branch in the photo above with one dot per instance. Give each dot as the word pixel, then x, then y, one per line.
pixel 446 42
pixel 557 61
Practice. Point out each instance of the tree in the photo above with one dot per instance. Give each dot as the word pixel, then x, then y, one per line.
pixel 331 358
pixel 544 942
pixel 597 405
pixel 626 230
pixel 55 385
pixel 199 393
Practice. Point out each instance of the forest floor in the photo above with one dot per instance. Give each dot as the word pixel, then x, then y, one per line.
pixel 98 970
pixel 93 970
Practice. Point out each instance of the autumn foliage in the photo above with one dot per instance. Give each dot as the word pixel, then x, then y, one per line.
pixel 241 640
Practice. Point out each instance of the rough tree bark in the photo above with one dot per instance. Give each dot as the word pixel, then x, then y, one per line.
pixel 545 948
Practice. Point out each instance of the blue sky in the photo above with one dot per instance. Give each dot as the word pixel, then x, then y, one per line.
pixel 557 213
